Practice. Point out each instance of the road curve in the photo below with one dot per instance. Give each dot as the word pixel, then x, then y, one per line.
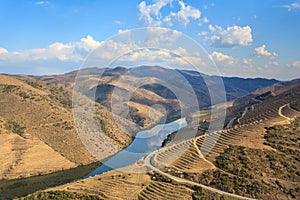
pixel 181 180
pixel 280 112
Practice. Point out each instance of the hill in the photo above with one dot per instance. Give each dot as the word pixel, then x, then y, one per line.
pixel 255 158
pixel 159 86
pixel 38 134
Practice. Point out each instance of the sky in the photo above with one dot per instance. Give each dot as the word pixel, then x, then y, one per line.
pixel 249 38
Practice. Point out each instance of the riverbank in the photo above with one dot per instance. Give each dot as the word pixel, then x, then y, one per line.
pixel 144 143
pixel 10 189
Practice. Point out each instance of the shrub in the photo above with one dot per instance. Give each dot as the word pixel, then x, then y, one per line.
pixel 60 195
pixel 15 127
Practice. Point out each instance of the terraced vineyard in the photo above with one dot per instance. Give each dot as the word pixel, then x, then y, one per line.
pixel 111 186
pixel 256 157
pixel 165 191
pixel 249 134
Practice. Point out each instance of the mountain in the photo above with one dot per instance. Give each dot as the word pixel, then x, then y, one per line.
pixel 37 130
pixel 158 86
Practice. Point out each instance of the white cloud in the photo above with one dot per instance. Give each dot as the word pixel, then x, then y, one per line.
pixel 117 22
pixel 223 59
pixel 181 51
pixel 203 20
pixel 233 36
pixel 124 31
pixel 41 3
pixel 3 51
pixel 292 6
pixel 185 13
pixel 161 36
pixel 74 52
pixel 203 33
pixel 87 44
pixel 261 51
pixel 296 64
pixel 151 14
pixel 247 62
pixel 168 20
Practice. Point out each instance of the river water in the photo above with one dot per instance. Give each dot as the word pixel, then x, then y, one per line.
pixel 144 143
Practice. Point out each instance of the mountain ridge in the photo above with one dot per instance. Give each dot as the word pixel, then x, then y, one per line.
pixel 103 81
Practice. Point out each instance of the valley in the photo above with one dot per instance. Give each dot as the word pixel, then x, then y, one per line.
pixel 254 138
pixel 149 100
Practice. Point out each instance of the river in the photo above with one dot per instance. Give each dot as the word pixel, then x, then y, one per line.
pixel 144 143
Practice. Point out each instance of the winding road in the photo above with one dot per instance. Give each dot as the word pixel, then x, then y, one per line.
pixel 149 157
pixel 280 112
pixel 181 180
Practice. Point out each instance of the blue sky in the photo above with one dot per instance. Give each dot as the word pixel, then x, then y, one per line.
pixel 248 38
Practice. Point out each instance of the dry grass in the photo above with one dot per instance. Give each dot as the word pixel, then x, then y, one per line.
pixel 113 185
pixel 22 158
pixel 38 134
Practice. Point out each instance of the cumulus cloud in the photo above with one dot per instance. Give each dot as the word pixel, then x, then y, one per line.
pixel 161 36
pixel 2 51
pixel 74 52
pixel 185 13
pixel 290 7
pixel 261 51
pixel 296 64
pixel 151 14
pixel 65 55
pixel 223 59
pixel 247 62
pixel 176 59
pixel 233 36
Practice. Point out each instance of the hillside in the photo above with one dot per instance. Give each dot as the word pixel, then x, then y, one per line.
pixel 256 158
pixel 38 135
pixel 103 82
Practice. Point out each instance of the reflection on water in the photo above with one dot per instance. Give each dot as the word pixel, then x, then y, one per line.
pixel 144 143
pixel 10 189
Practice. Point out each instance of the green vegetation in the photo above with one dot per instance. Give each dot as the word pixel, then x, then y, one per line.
pixel 65 125
pixel 258 173
pixel 24 95
pixel 12 88
pixel 198 194
pixel 8 88
pixel 158 177
pixel 245 162
pixel 60 195
pixel 296 105
pixel 62 96
pixel 285 138
pixel 235 184
pixel 15 127
pixel 33 83
pixel 202 194
pixel 136 117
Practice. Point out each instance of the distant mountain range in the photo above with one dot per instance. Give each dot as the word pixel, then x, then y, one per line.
pixel 153 92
